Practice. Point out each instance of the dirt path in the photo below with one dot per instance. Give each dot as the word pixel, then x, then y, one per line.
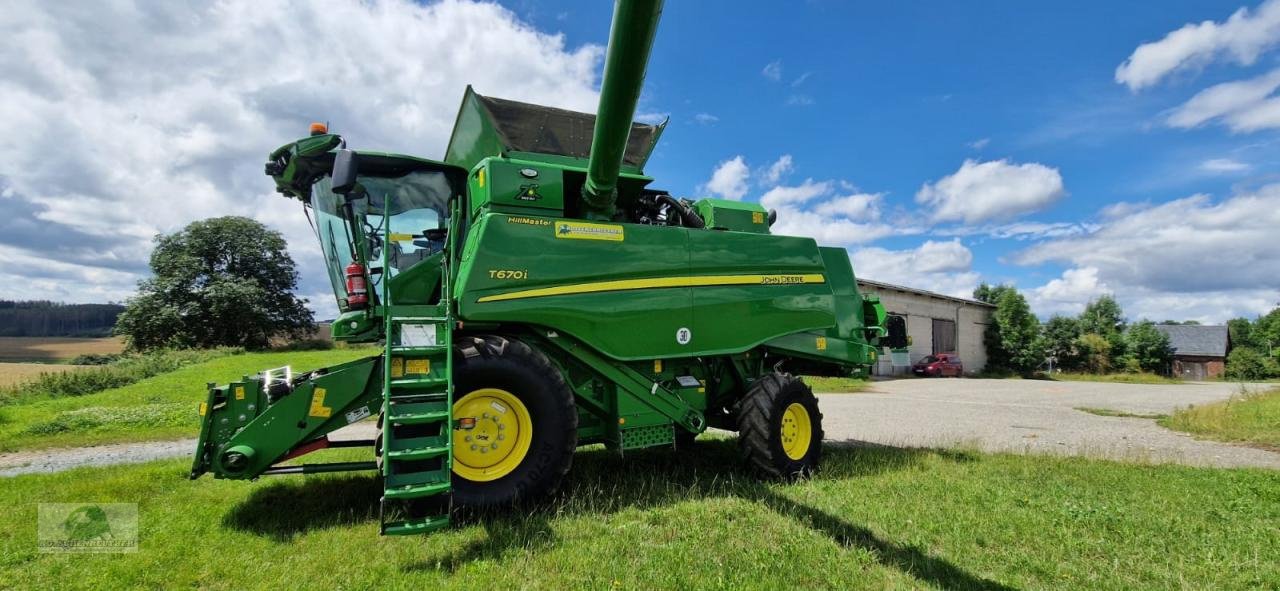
pixel 1021 416
pixel 1031 416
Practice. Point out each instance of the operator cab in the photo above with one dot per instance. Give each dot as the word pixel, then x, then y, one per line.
pixel 415 195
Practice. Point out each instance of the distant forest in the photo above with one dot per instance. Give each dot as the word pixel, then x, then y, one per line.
pixel 51 319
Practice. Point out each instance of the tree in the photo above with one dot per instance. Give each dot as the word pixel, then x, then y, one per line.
pixel 1245 363
pixel 1241 333
pixel 1013 337
pixel 1060 335
pixel 990 293
pixel 225 281
pixel 1095 352
pixel 1149 347
pixel 1104 317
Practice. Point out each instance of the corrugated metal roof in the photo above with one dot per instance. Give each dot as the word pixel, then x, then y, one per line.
pixel 1193 339
pixel 926 293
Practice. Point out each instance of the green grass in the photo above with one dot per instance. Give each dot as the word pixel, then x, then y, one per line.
pixel 1106 412
pixel 824 385
pixel 120 372
pixel 160 407
pixel 1116 378
pixel 876 518
pixel 1252 418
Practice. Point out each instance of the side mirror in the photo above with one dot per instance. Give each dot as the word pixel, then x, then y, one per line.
pixel 897 338
pixel 345 168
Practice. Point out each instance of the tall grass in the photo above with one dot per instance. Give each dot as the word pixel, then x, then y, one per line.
pixel 126 370
pixel 1250 417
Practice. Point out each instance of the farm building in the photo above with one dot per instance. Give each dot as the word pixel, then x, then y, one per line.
pixel 936 323
pixel 1199 352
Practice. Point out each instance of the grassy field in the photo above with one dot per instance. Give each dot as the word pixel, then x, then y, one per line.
pixel 822 385
pixel 875 518
pixel 161 407
pixel 1252 418
pixel 1116 378
pixel 55 349
pixel 16 373
pixel 1107 412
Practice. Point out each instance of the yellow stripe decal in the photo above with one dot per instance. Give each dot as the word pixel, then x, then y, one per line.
pixel 657 282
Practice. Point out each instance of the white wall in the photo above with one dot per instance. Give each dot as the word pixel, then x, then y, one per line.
pixel 920 309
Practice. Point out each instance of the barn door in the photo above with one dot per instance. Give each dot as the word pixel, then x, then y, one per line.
pixel 944 336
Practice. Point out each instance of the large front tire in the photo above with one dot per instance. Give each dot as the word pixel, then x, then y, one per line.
pixel 780 428
pixel 526 423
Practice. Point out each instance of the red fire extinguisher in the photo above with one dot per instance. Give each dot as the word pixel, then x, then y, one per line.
pixel 357 288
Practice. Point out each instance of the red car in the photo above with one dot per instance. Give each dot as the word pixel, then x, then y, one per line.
pixel 939 365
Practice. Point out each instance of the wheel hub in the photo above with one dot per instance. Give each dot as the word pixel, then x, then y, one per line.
pixel 500 439
pixel 797 431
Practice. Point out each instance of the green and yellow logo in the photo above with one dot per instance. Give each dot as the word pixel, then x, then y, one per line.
pixel 589 231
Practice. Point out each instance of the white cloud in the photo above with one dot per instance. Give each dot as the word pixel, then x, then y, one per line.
pixel 1067 294
pixel 1188 253
pixel 773 70
pixel 859 206
pixel 815 209
pixel 652 118
pixel 799 100
pixel 994 190
pixel 783 195
pixel 777 170
pixel 1223 165
pixel 980 143
pixel 1021 230
pixel 125 120
pixel 1241 38
pixel 729 179
pixel 705 118
pixel 1242 105
pixel 943 267
pixel 801 79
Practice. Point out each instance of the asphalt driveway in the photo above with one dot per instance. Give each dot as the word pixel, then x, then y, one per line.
pixel 1033 416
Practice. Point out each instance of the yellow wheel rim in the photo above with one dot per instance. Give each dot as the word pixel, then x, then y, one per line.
pixel 500 439
pixel 797 431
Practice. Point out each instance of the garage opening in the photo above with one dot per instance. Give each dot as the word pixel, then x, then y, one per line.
pixel 944 336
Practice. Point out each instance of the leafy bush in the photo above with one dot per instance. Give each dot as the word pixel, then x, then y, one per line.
pixel 306 345
pixel 96 359
pixel 122 372
pixel 1245 363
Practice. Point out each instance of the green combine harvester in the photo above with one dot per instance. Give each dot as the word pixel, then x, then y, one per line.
pixel 535 295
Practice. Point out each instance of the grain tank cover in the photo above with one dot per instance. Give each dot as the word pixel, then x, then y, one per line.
pixel 488 126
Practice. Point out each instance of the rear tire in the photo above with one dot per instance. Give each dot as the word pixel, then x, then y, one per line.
pixel 780 428
pixel 493 363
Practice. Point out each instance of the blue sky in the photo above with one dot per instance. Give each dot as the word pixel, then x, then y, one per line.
pixel 1073 150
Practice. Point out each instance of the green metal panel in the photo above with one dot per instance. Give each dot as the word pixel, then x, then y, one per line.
pixel 514 187
pixel 264 433
pixel 722 214
pixel 629 289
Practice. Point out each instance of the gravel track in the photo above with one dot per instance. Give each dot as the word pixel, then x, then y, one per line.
pixel 1021 416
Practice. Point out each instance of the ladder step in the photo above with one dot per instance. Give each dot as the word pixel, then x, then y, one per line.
pixel 404 349
pixel 416 526
pixel 419 418
pixel 421 453
pixel 414 491
pixel 418 319
pixel 413 413
pixel 416 382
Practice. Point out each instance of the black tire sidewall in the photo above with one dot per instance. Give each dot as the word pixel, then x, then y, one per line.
pixel 524 373
pixel 796 392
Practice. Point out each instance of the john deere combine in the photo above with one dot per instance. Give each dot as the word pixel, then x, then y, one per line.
pixel 534 295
